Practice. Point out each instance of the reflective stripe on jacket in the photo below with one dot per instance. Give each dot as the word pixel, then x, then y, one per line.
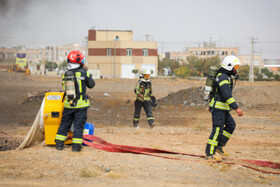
pixel 223 99
pixel 82 80
pixel 143 87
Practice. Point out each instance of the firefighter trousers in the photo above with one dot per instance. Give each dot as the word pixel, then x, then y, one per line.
pixel 222 129
pixel 79 117
pixel 148 109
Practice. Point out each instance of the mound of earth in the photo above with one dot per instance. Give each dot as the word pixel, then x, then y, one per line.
pixel 8 142
pixel 186 97
pixel 245 96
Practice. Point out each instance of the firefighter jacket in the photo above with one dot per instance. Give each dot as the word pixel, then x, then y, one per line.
pixel 223 98
pixel 82 80
pixel 144 87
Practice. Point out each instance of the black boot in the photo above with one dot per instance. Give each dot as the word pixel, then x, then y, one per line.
pixel 221 151
pixel 152 125
pixel 76 147
pixel 59 145
pixel 135 124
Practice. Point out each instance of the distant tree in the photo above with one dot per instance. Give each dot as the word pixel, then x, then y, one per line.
pixel 182 71
pixel 174 64
pixel 63 65
pixel 167 63
pixel 213 61
pixel 267 72
pixel 50 65
pixel 259 75
pixel 135 71
pixel 277 77
pixel 202 66
pixel 256 71
pixel 244 71
pixel 164 63
pixel 196 63
pixel 194 72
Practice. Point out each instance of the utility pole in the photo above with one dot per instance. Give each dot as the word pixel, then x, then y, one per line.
pixel 86 51
pixel 114 58
pixel 147 37
pixel 219 38
pixel 251 76
pixel 260 65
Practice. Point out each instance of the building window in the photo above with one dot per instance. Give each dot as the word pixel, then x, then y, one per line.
pixel 98 66
pixel 10 55
pixel 232 53
pixel 198 52
pixel 109 52
pixel 145 52
pixel 128 52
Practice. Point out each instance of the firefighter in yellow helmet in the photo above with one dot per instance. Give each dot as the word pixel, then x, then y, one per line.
pixel 220 105
pixel 145 98
pixel 74 80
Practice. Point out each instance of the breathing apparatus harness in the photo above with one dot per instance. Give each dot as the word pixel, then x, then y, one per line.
pixel 233 73
pixel 75 61
pixel 70 87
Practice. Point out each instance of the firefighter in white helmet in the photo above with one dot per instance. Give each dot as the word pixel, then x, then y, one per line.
pixel 145 98
pixel 221 103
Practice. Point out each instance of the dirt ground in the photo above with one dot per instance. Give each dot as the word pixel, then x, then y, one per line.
pixel 183 124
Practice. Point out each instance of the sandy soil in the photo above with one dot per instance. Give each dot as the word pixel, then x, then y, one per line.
pixel 180 128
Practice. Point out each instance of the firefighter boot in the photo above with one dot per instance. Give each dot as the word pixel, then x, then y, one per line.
pixel 59 145
pixel 221 151
pixel 152 125
pixel 135 124
pixel 76 147
pixel 213 157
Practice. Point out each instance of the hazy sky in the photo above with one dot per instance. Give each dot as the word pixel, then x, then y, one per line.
pixel 175 24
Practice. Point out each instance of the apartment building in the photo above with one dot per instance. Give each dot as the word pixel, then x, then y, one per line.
pixel 8 53
pixel 246 60
pixel 115 54
pixel 60 52
pixel 207 51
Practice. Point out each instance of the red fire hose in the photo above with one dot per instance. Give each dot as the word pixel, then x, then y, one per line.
pixel 106 146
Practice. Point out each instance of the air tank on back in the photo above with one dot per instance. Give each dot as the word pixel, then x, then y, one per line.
pixel 70 86
pixel 210 82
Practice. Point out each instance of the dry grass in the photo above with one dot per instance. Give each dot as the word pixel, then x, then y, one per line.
pixel 115 175
pixel 87 173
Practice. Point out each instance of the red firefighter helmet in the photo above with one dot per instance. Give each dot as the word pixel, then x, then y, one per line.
pixel 75 57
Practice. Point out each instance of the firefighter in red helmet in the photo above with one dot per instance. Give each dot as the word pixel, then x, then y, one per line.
pixel 74 81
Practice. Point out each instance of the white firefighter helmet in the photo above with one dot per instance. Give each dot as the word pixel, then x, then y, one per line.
pixel 230 61
pixel 147 72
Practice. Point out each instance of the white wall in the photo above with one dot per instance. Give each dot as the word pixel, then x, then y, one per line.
pixel 149 66
pixel 126 71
